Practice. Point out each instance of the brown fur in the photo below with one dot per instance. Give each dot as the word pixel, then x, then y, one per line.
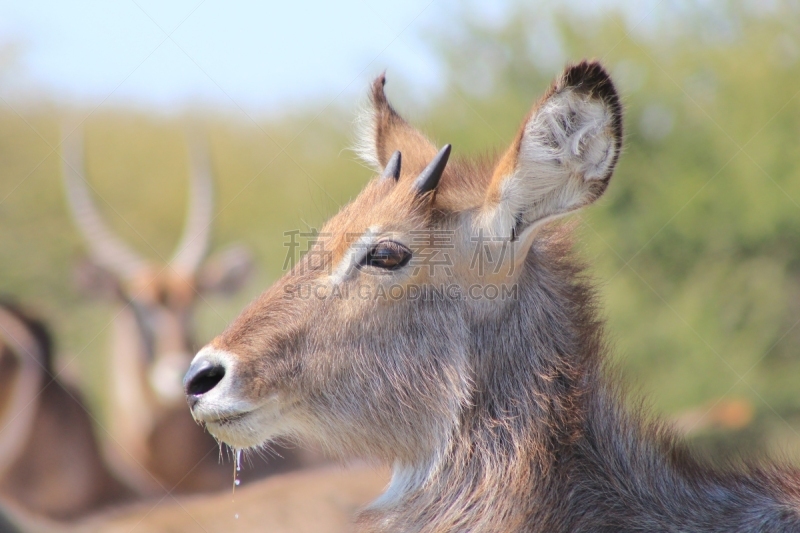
pixel 497 415
pixel 59 472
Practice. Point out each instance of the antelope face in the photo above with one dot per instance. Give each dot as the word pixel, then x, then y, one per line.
pixel 367 345
pixel 157 300
pixel 334 332
pixel 158 305
pixel 162 303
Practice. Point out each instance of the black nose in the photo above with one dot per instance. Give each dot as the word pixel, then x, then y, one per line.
pixel 201 377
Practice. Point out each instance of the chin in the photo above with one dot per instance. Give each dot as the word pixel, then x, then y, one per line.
pixel 251 429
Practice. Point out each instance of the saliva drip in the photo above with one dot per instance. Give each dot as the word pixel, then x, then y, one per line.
pixel 237 468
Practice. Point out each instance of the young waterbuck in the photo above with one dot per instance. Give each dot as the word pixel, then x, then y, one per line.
pixel 152 443
pixel 440 324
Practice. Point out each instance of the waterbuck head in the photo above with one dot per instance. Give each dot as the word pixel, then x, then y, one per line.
pixel 160 296
pixel 372 344
pixel 152 334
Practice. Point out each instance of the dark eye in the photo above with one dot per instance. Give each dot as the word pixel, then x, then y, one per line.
pixel 388 255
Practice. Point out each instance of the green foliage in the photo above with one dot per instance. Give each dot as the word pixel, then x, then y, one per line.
pixel 696 246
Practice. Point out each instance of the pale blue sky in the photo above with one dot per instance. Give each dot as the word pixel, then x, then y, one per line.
pixel 260 56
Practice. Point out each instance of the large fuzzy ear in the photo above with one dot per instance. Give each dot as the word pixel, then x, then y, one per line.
pixel 382 132
pixel 563 155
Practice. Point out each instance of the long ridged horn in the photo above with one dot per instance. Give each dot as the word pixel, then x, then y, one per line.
pixel 430 176
pixel 107 250
pixel 193 245
pixel 392 169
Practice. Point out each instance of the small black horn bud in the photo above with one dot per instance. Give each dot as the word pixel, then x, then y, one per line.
pixel 429 178
pixel 392 169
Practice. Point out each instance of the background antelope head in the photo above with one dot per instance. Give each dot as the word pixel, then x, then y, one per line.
pixel 152 336
pixel 376 343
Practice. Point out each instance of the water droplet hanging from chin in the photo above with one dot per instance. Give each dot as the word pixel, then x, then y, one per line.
pixel 237 468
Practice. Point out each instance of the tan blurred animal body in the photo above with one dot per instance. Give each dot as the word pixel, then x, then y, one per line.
pixel 315 501
pixel 50 461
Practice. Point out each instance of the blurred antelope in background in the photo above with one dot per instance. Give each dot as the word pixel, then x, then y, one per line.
pixel 50 461
pixel 153 443
pixel 310 501
pixel 488 390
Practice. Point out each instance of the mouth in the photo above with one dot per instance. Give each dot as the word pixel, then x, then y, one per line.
pixel 223 420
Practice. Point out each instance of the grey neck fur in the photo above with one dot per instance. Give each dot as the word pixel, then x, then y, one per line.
pixel 545 445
